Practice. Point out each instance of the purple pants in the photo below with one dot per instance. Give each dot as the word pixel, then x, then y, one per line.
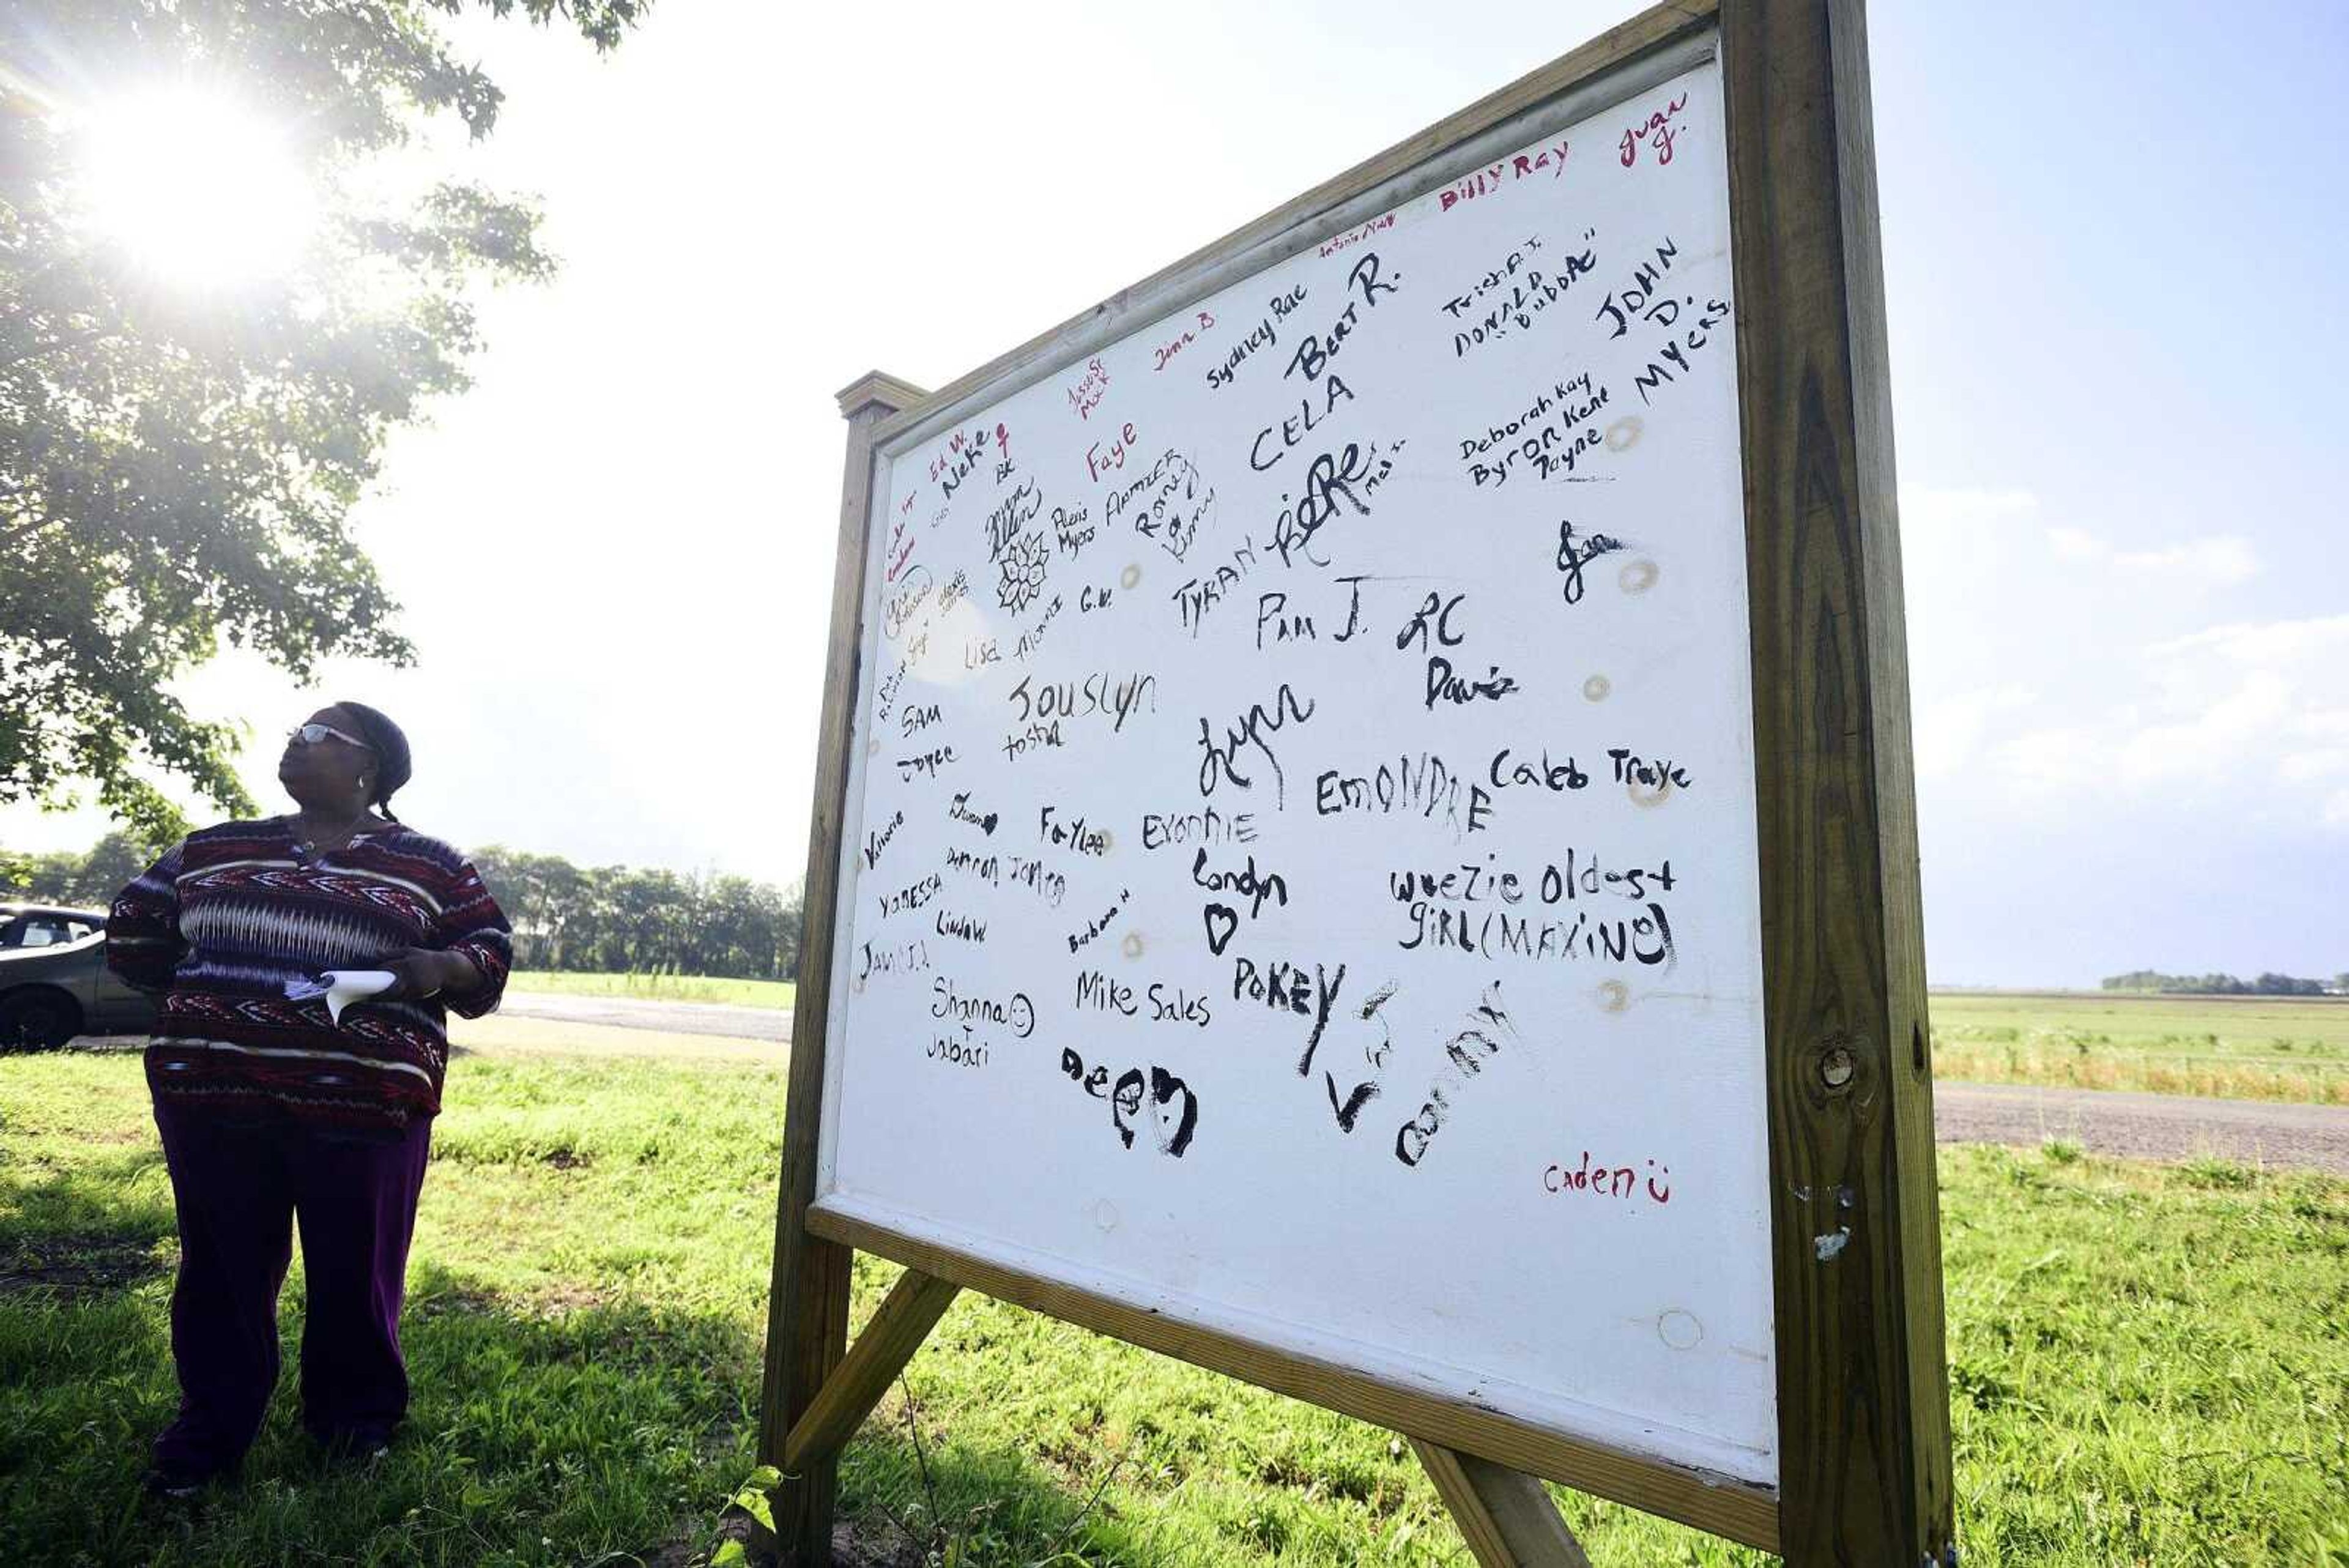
pixel 239 1188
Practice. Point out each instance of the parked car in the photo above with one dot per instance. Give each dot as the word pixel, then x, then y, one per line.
pixel 54 983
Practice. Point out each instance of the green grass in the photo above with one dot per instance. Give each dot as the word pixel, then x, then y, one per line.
pixel 2254 1048
pixel 2147 1366
pixel 660 987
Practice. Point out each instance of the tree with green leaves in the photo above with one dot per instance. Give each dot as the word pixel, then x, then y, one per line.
pixel 212 313
pixel 62 877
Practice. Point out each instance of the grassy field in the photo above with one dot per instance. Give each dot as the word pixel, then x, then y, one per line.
pixel 2147 1366
pixel 660 987
pixel 2256 1048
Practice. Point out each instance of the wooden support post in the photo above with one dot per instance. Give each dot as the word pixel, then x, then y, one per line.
pixel 1506 1516
pixel 1863 1387
pixel 898 1327
pixel 807 1304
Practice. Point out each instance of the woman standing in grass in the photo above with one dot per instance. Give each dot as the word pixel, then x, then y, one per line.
pixel 269 1110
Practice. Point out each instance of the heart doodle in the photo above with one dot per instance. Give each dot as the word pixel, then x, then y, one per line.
pixel 1231 919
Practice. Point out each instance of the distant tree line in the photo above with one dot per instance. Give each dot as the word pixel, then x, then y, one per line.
pixel 626 919
pixel 608 919
pixel 63 876
pixel 2225 985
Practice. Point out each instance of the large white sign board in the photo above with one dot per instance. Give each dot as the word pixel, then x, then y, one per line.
pixel 1300 869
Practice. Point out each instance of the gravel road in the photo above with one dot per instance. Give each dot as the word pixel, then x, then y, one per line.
pixel 633 1012
pixel 2146 1126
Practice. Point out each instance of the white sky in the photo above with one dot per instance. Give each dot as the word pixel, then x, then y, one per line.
pixel 2113 309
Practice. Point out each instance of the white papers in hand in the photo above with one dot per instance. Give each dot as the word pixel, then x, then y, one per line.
pixel 341 987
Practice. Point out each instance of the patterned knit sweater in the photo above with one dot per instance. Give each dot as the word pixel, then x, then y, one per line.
pixel 223 921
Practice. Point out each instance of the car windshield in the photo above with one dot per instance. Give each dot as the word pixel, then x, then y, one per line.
pixel 39 930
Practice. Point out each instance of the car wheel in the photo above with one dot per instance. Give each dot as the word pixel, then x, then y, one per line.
pixel 38 1018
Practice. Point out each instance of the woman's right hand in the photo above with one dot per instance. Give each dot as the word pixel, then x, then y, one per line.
pixel 417 974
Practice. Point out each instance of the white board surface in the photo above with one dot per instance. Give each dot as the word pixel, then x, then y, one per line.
pixel 1299 872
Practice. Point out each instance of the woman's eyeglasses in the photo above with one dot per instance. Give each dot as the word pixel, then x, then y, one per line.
pixel 311 734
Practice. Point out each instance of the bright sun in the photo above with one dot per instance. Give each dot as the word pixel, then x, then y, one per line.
pixel 196 188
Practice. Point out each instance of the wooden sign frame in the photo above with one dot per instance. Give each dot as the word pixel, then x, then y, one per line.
pixel 1862 1384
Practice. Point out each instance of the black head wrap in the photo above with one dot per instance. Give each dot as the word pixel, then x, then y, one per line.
pixel 392 763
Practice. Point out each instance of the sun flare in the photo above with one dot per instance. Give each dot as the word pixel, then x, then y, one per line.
pixel 196 188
